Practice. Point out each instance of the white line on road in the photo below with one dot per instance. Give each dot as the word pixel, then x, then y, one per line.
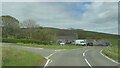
pixel 31 47
pixel 108 57
pixel 40 48
pixel 51 61
pixel 88 63
pixel 47 63
pixel 48 60
pixel 50 55
pixel 84 52
pixel 86 59
pixel 60 50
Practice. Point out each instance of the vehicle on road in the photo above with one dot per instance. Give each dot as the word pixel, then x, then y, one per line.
pixel 89 44
pixel 79 42
pixel 62 43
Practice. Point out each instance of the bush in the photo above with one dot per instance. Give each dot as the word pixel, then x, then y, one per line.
pixel 13 40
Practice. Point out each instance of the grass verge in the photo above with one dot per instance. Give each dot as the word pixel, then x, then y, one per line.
pixel 112 52
pixel 50 46
pixel 0 55
pixel 16 57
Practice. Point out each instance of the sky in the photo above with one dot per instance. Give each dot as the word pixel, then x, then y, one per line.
pixel 59 0
pixel 91 16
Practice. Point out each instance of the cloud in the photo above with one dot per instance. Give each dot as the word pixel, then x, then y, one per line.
pixel 60 0
pixel 103 15
pixel 0 7
pixel 93 16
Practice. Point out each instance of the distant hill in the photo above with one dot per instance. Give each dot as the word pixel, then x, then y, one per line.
pixel 82 34
pixel 12 24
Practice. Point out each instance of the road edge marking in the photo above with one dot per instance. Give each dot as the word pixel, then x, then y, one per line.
pixel 50 55
pixel 108 57
pixel 53 53
pixel 48 60
pixel 88 63
pixel 31 47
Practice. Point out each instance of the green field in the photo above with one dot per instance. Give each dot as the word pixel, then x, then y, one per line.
pixel 50 46
pixel 16 57
pixel 112 51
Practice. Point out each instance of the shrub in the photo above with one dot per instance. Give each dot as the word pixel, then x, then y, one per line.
pixel 14 40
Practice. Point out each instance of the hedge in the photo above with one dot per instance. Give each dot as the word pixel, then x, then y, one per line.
pixel 13 40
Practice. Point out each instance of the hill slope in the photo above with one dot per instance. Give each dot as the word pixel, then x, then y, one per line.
pixel 82 34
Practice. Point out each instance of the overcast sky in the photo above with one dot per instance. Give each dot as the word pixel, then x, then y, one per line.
pixel 59 0
pixel 92 16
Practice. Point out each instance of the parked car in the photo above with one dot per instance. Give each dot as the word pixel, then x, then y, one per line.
pixel 62 43
pixel 89 44
pixel 108 44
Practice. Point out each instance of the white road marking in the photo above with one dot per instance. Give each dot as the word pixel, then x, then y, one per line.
pixel 31 47
pixel 47 63
pixel 84 52
pixel 50 55
pixel 60 50
pixel 108 57
pixel 38 48
pixel 48 60
pixel 86 59
pixel 51 61
pixel 88 63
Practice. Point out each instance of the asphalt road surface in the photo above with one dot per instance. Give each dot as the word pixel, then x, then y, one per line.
pixel 88 56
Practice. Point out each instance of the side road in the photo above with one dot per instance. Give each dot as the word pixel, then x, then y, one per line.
pixel 87 56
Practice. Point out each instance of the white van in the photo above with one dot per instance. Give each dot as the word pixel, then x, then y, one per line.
pixel 80 42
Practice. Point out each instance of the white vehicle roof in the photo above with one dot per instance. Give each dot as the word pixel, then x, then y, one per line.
pixel 80 40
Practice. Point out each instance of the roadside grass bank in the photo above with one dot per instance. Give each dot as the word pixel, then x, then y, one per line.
pixel 0 56
pixel 16 57
pixel 112 51
pixel 50 46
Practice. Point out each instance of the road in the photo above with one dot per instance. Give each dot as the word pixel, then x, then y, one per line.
pixel 87 56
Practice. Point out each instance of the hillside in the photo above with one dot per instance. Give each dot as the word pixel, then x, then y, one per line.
pixel 12 29
pixel 82 34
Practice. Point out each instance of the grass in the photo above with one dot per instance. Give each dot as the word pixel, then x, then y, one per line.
pixel 112 51
pixel 16 57
pixel 0 55
pixel 50 46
